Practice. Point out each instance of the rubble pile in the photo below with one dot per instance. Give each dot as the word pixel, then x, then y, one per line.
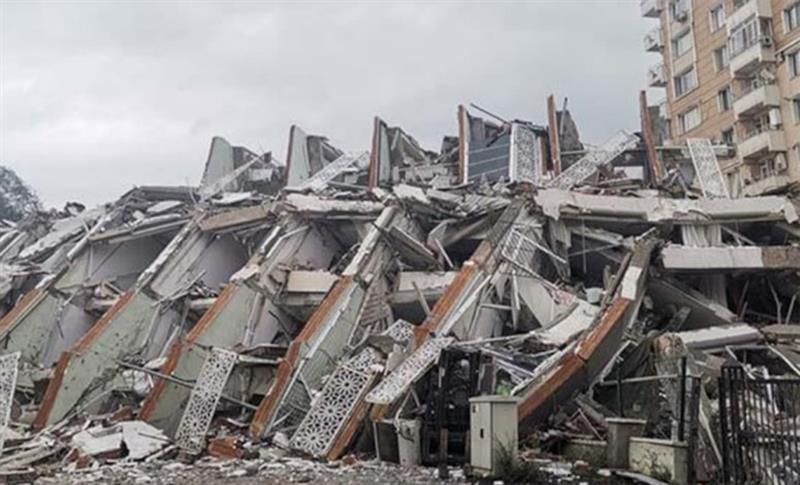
pixel 345 307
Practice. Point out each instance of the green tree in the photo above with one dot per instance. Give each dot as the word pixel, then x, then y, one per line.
pixel 17 199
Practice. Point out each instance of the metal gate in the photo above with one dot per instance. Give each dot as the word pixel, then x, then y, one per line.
pixel 759 428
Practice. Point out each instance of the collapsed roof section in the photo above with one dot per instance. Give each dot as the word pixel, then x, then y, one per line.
pixel 396 157
pixel 38 246
pixel 307 155
pixel 158 308
pixel 268 301
pixel 509 152
pixel 236 169
pixel 101 265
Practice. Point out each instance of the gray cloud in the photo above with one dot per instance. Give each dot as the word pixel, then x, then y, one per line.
pixel 96 97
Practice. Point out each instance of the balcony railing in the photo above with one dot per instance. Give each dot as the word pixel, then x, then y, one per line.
pixel 651 8
pixel 766 185
pixel 656 76
pixel 747 10
pixel 747 57
pixel 652 40
pixel 761 141
pixel 755 99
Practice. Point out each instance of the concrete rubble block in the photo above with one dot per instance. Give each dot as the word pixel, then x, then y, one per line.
pixel 620 431
pixel 662 459
pixel 138 439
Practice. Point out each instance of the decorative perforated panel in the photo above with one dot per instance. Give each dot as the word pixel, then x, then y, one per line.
pixel 400 331
pixel 8 383
pixel 525 160
pixel 320 179
pixel 396 383
pixel 706 168
pixel 203 400
pixel 588 164
pixel 342 391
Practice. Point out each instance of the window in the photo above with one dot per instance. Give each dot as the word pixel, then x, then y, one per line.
pixel 793 61
pixel 743 37
pixel 791 17
pixel 689 120
pixel 721 59
pixel 727 136
pixel 682 44
pixel 724 99
pixel 685 82
pixel 717 17
pixel 679 10
pixel 796 109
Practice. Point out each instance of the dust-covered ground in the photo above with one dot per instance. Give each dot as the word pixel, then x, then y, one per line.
pixel 247 472
pixel 258 472
pixel 279 470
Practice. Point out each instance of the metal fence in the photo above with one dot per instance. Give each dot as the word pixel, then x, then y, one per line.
pixel 759 428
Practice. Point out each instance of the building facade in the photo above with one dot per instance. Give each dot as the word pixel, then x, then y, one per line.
pixel 731 70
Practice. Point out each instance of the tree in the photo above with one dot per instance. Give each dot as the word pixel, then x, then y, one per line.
pixel 16 199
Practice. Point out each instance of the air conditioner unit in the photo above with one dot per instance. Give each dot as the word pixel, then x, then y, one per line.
pixel 766 75
pixel 775 120
pixel 681 16
pixel 766 41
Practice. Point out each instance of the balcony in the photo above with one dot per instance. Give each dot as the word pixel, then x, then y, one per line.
pixel 656 76
pixel 753 8
pixel 756 101
pixel 752 58
pixel 651 8
pixel 766 185
pixel 761 143
pixel 652 40
pixel 663 109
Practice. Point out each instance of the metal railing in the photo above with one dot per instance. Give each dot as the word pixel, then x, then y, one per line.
pixel 754 132
pixel 655 74
pixel 652 38
pixel 759 428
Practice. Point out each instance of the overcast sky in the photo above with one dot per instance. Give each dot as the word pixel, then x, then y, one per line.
pixel 96 97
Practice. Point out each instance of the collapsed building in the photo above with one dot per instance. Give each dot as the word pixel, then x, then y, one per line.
pixel 343 302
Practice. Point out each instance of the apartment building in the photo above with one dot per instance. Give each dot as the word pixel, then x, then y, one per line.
pixel 731 70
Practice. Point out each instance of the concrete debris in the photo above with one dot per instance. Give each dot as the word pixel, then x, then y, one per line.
pixel 138 440
pixel 348 306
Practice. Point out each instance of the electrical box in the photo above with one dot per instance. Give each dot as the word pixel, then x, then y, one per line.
pixel 493 431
